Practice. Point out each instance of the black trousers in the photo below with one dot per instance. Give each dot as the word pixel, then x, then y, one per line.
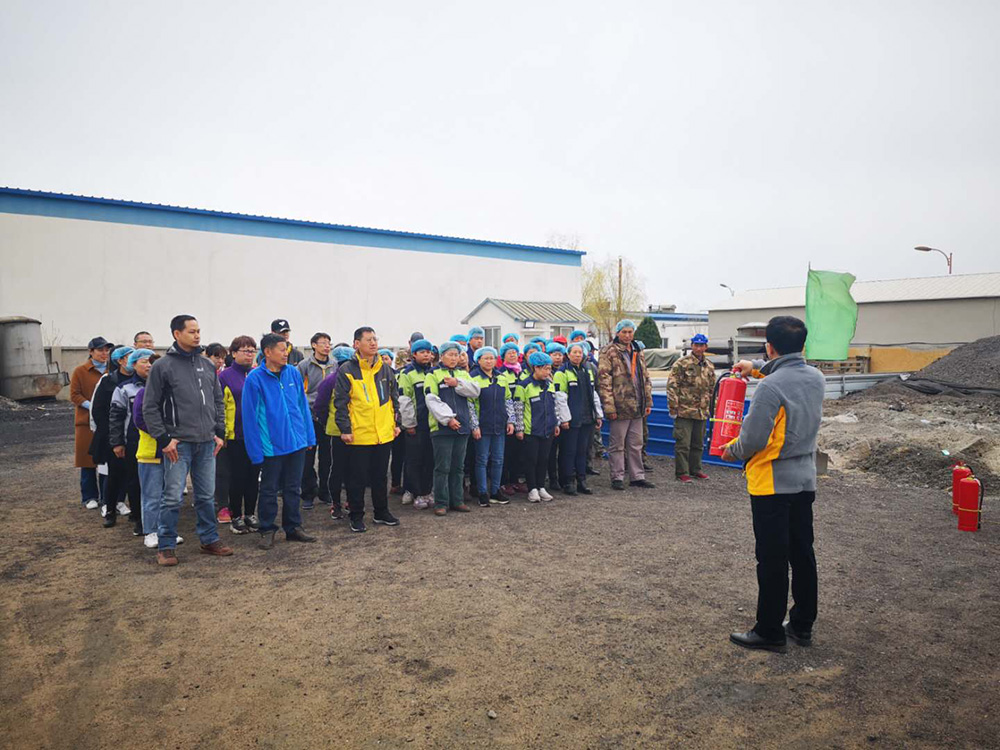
pixel 536 460
pixel 367 465
pixel 123 479
pixel 338 468
pixel 418 479
pixel 398 459
pixel 512 460
pixel 244 479
pixel 554 460
pixel 317 485
pixel 783 530
pixel 573 453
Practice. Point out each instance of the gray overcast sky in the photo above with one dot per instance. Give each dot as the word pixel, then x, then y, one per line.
pixel 710 142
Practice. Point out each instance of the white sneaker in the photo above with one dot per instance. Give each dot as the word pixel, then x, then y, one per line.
pixel 91 504
pixel 534 496
pixel 151 540
pixel 123 509
pixel 407 498
pixel 180 539
pixel 104 511
pixel 544 494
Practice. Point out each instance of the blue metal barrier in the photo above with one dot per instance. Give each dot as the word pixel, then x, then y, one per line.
pixel 661 434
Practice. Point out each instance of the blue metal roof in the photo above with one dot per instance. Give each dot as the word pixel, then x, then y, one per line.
pixel 699 317
pixel 42 203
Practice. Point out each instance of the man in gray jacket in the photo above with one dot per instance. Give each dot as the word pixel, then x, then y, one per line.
pixel 313 370
pixel 777 444
pixel 184 413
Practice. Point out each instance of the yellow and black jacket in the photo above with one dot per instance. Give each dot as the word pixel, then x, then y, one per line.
pixel 366 401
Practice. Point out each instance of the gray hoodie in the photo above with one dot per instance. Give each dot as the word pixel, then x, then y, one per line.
pixel 777 441
pixel 183 399
pixel 313 372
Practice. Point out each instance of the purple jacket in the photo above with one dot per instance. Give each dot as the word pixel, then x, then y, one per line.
pixel 232 380
pixel 321 406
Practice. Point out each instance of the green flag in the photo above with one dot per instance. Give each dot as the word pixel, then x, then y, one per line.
pixel 831 314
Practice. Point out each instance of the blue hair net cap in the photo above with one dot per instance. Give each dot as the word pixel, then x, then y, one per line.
pixel 448 346
pixel 531 345
pixel 578 332
pixel 421 345
pixel 484 350
pixel 135 356
pixel 624 324
pixel 554 347
pixel 476 331
pixel 640 345
pixel 385 351
pixel 343 353
pixel 581 345
pixel 510 337
pixel 121 351
pixel 460 338
pixel 539 359
pixel 508 348
pixel 699 338
pixel 537 340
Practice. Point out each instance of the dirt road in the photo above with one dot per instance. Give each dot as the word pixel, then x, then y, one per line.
pixel 588 622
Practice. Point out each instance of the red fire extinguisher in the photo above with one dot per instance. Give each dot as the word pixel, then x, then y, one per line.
pixel 970 504
pixel 727 413
pixel 958 472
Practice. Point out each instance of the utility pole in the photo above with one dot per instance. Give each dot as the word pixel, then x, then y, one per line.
pixel 619 287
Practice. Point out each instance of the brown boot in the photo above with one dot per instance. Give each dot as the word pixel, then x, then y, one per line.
pixel 216 548
pixel 440 511
pixel 166 557
pixel 461 508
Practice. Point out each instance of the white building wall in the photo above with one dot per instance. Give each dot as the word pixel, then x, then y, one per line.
pixel 931 321
pixel 85 278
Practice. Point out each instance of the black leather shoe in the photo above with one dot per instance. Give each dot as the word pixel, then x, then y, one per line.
pixel 801 637
pixel 568 489
pixel 110 520
pixel 583 489
pixel 750 639
pixel 266 539
pixel 644 483
pixel 617 484
pixel 298 535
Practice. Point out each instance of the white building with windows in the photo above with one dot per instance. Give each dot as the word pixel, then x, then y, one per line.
pixel 527 319
pixel 90 267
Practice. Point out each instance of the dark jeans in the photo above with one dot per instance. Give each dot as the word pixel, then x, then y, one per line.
pixel 243 479
pixel 337 479
pixel 367 465
pixel 783 530
pixel 314 485
pixel 418 479
pixel 449 462
pixel 536 460
pixel 489 455
pixel 398 458
pixel 88 486
pixel 573 453
pixel 123 479
pixel 284 473
pixel 689 442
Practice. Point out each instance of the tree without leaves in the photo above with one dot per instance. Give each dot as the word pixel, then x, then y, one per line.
pixel 603 300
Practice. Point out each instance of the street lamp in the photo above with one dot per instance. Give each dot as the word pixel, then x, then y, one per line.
pixel 732 292
pixel 925 249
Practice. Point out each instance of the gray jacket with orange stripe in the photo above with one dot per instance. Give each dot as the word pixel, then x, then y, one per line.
pixel 777 441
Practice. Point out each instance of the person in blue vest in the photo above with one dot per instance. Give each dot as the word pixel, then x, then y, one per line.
pixel 538 415
pixel 494 421
pixel 447 392
pixel 277 430
pixel 576 380
pixel 418 474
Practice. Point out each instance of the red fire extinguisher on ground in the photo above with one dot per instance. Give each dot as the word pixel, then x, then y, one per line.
pixel 958 472
pixel 727 412
pixel 970 504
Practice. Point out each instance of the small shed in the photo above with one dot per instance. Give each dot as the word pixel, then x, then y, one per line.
pixel 527 319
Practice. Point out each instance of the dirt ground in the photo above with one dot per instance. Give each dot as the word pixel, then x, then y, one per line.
pixel 595 622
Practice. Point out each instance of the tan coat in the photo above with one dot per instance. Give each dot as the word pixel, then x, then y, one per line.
pixel 616 384
pixel 81 388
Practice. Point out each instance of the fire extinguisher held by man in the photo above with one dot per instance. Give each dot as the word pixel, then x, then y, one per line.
pixel 777 443
pixel 689 399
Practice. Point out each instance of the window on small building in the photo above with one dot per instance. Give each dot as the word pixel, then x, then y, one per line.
pixel 492 337
pixel 562 331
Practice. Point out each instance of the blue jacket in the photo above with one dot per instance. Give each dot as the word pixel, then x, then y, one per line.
pixel 276 417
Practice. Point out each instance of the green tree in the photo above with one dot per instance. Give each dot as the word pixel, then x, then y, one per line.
pixel 649 334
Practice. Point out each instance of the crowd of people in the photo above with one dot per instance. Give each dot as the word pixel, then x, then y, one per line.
pixel 446 424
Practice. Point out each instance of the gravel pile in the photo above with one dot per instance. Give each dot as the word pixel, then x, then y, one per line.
pixel 976 365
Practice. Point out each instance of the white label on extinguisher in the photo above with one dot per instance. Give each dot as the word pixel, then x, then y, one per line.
pixel 733 416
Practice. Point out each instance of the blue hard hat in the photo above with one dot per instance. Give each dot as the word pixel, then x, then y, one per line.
pixel 699 338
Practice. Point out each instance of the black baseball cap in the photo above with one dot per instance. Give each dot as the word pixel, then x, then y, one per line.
pixel 99 342
pixel 280 326
pixel 416 336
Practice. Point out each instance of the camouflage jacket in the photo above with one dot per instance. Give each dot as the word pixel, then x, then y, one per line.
pixel 689 389
pixel 616 385
pixel 402 360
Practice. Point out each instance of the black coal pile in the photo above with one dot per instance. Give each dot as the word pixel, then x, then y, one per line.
pixel 975 365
